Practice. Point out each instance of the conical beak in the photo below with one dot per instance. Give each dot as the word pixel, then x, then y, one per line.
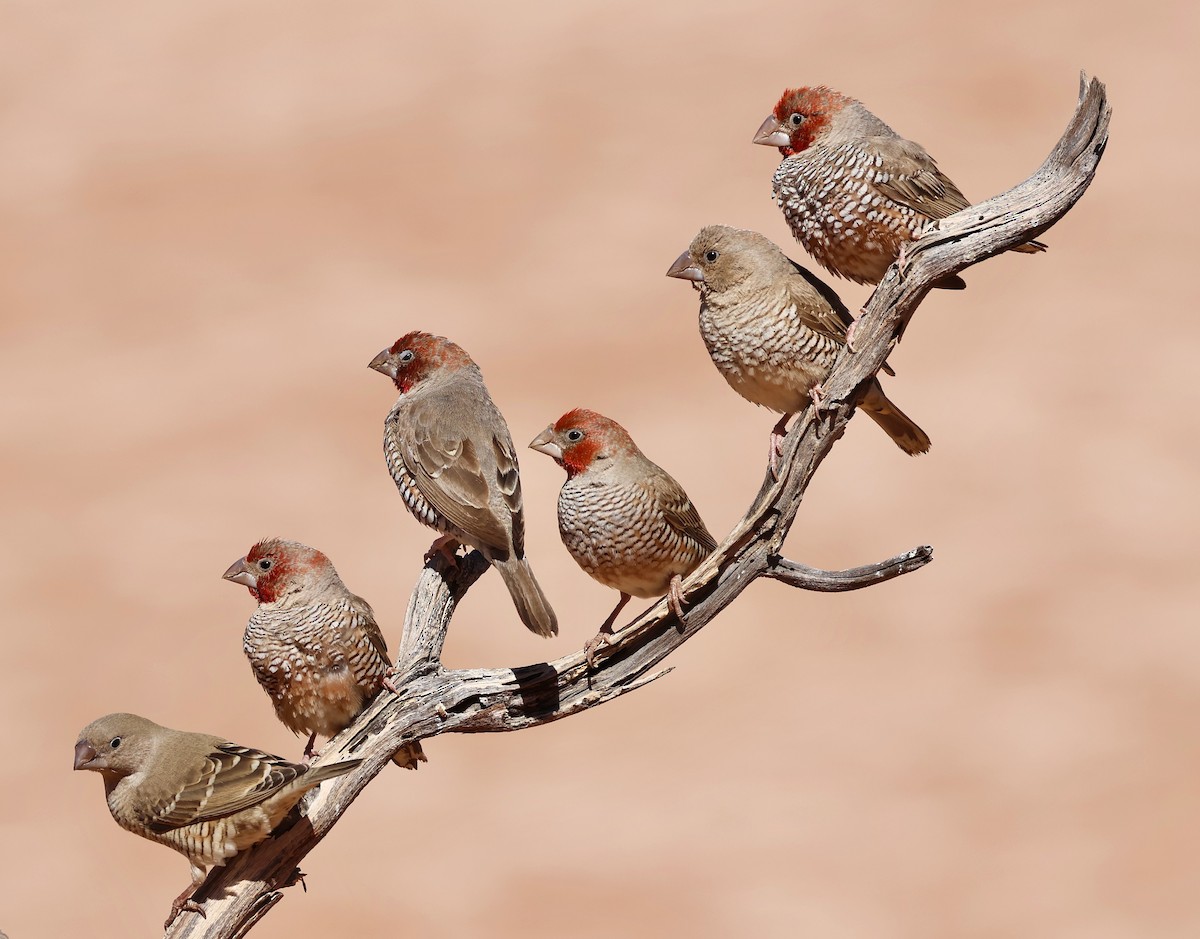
pixel 684 269
pixel 240 573
pixel 85 753
pixel 772 134
pixel 384 363
pixel 544 443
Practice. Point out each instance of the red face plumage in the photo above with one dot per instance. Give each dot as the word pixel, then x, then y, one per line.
pixel 417 355
pixel 805 112
pixel 583 433
pixel 275 564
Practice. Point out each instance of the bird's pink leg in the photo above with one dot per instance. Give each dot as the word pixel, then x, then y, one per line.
pixel 675 597
pixel 447 547
pixel 850 333
pixel 602 637
pixel 309 750
pixel 388 677
pixel 902 258
pixel 184 903
pixel 778 432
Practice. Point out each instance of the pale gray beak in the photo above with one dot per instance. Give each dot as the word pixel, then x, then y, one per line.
pixel 240 573
pixel 772 134
pixel 684 269
pixel 384 363
pixel 544 443
pixel 85 753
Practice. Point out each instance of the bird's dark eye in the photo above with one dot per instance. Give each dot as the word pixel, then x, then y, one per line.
pixel 264 564
pixel 711 256
pixel 797 119
pixel 574 435
pixel 114 743
pixel 407 355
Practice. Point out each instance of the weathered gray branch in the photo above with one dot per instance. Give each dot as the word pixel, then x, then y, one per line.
pixel 811 578
pixel 433 700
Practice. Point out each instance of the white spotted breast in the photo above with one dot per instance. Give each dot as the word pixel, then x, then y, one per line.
pixel 316 662
pixel 830 199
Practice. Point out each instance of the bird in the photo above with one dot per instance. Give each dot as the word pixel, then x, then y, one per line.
pixel 314 646
pixel 453 460
pixel 623 518
pixel 774 329
pixel 854 192
pixel 197 793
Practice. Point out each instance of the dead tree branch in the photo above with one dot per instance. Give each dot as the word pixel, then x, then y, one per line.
pixel 434 700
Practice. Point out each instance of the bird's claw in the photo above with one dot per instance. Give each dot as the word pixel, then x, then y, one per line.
pixel 183 905
pixel 593 645
pixel 410 755
pixel 447 547
pixel 774 453
pixel 296 877
pixel 675 597
pixel 902 259
pixel 820 401
pixel 389 679
pixel 850 334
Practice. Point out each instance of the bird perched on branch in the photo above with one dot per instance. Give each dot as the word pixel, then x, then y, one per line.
pixel 313 645
pixel 854 192
pixel 203 796
pixel 626 522
pixel 452 458
pixel 774 330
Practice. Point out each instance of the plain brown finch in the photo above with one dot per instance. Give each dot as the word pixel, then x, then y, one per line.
pixel 774 330
pixel 624 519
pixel 203 796
pixel 452 458
pixel 314 646
pixel 854 192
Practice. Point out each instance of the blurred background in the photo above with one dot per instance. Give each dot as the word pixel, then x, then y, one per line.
pixel 215 214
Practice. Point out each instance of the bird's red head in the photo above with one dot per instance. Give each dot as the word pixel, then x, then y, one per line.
pixel 804 115
pixel 274 567
pixel 414 357
pixel 581 437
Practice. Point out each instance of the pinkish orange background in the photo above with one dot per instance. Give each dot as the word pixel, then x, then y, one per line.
pixel 214 214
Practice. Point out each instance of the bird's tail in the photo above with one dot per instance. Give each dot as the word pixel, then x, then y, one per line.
pixel 410 756
pixel 895 423
pixel 318 774
pixel 532 605
pixel 954 282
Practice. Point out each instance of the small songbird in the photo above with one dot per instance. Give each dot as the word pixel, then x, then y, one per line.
pixel 626 522
pixel 774 330
pixel 452 458
pixel 854 192
pixel 203 796
pixel 314 646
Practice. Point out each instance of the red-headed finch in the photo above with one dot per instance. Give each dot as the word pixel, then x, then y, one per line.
pixel 452 458
pixel 313 645
pixel 774 330
pixel 203 796
pixel 626 522
pixel 854 192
